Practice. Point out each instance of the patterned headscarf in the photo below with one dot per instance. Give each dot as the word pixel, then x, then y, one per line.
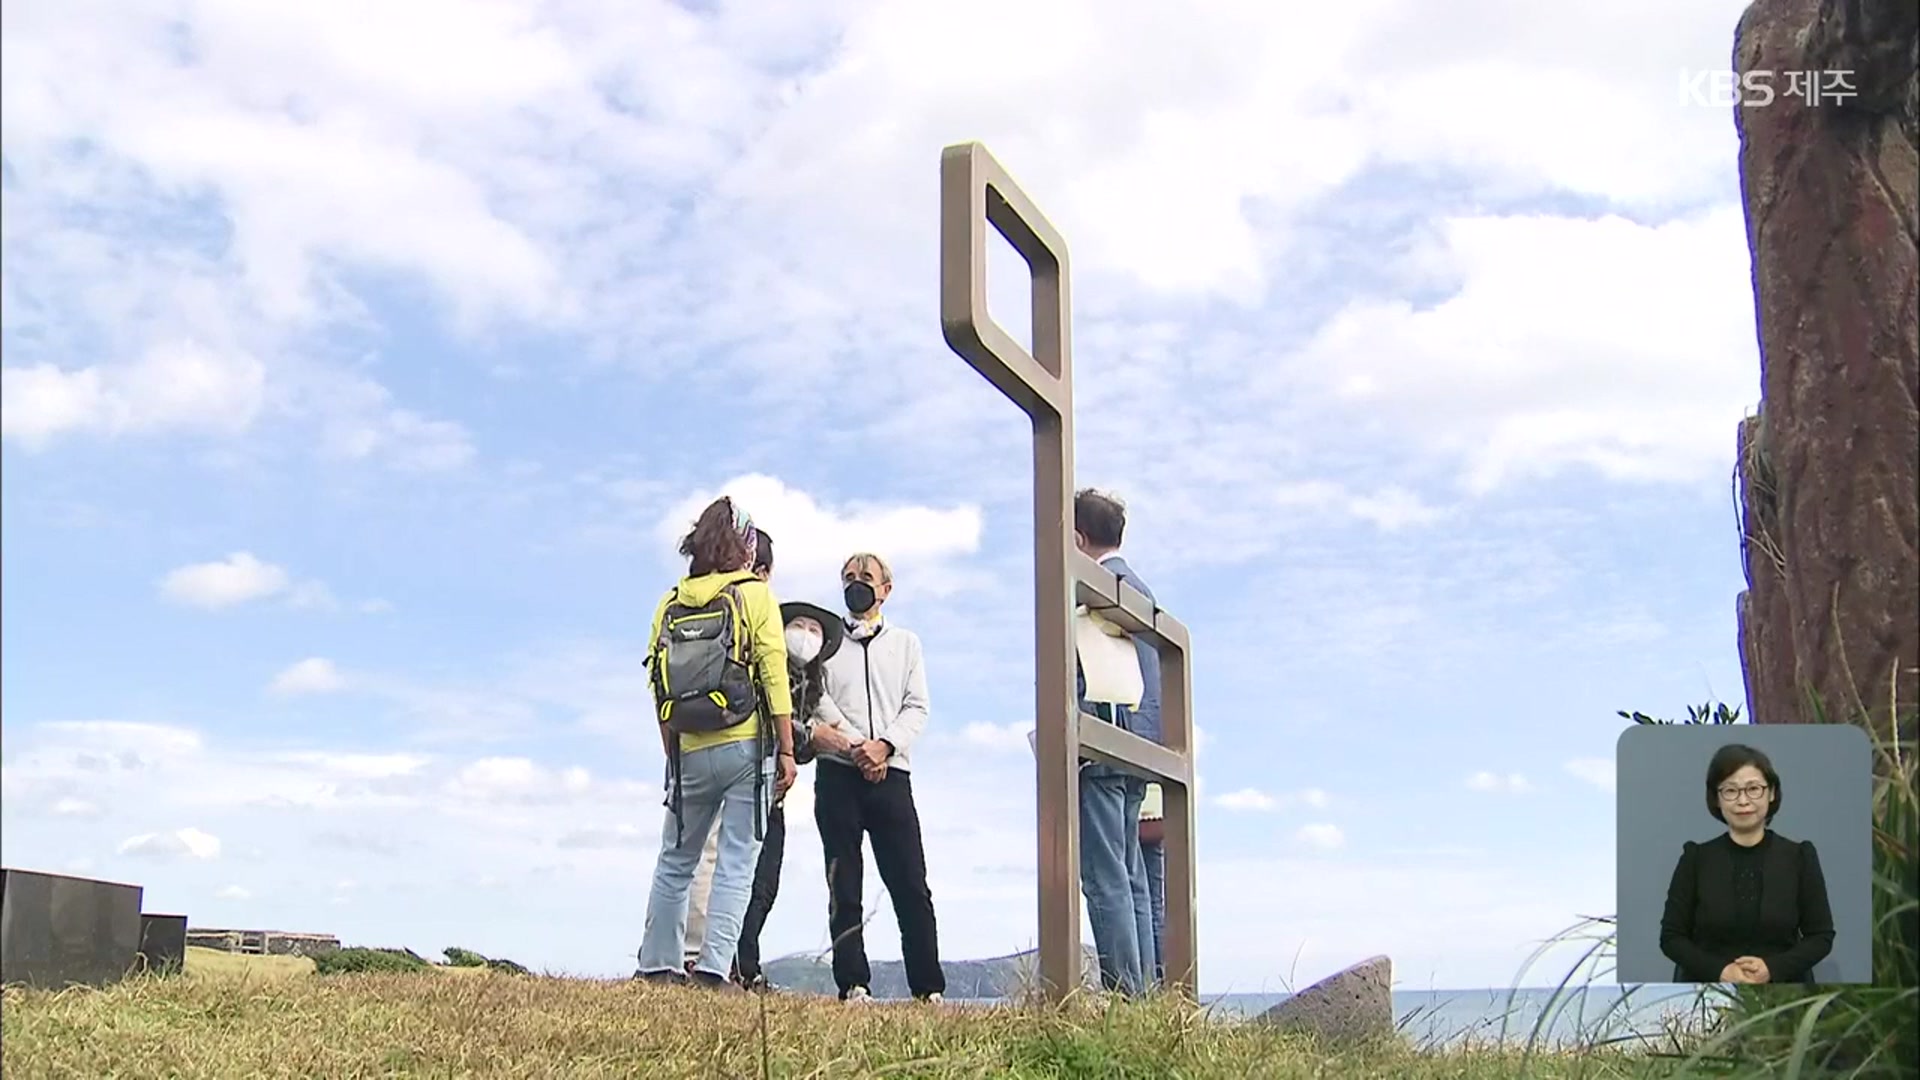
pixel 742 521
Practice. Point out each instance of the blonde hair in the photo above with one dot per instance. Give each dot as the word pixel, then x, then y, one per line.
pixel 863 559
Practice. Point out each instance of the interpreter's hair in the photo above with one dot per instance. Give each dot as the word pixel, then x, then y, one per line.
pixel 719 541
pixel 1730 759
pixel 1100 517
pixel 762 552
pixel 864 559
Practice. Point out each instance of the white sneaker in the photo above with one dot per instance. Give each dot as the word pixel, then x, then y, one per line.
pixel 933 998
pixel 858 996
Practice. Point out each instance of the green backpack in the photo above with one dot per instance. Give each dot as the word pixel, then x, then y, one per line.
pixel 703 664
pixel 703 678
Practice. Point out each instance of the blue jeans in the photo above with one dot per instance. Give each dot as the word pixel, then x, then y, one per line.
pixel 714 782
pixel 1155 855
pixel 1113 876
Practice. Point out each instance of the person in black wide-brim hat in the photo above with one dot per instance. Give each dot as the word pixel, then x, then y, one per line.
pixel 813 635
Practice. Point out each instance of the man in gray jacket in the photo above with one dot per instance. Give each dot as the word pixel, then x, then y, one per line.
pixel 874 709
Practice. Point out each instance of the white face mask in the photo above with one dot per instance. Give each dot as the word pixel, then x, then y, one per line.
pixel 802 645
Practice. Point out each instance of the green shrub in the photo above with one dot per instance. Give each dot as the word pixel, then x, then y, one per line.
pixel 459 957
pixel 358 960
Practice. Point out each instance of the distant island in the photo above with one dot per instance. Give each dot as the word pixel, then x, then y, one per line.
pixel 979 980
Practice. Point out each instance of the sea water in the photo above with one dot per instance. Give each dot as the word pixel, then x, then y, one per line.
pixel 1545 1016
pixel 1640 1016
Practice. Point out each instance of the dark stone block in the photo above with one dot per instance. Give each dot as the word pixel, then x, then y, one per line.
pixel 57 931
pixel 163 943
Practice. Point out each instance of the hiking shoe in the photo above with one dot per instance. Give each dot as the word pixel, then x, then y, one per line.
pixel 933 999
pixel 707 980
pixel 857 996
pixel 661 978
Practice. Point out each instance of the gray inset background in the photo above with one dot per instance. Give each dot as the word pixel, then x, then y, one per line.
pixel 1826 783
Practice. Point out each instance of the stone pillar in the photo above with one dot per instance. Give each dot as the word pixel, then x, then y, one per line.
pixel 1831 467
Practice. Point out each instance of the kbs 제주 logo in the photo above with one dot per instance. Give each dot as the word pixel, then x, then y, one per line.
pixel 1760 87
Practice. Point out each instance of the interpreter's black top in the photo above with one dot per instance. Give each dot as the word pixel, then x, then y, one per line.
pixel 1728 901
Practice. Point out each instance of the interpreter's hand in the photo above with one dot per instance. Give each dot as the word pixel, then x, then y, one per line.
pixel 830 739
pixel 1755 969
pixel 785 772
pixel 1734 973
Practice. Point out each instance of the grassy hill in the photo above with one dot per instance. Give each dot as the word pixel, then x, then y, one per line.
pixel 425 1024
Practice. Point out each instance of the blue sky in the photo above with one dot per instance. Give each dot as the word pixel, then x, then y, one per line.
pixel 360 372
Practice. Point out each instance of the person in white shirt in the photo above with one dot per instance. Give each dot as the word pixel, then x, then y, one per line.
pixel 874 709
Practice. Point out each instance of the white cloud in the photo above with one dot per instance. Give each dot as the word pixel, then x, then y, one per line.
pixel 1509 783
pixel 557 852
pixel 233 892
pixel 186 843
pixel 1256 800
pixel 180 387
pixel 510 780
pixel 358 766
pixel 602 837
pixel 1634 357
pixel 242 578
pixel 314 675
pixel 543 196
pixel 1599 772
pixel 1007 738
pixel 78 808
pixel 811 541
pixel 410 441
pixel 130 741
pixel 238 579
pixel 312 595
pixel 1479 920
pixel 1321 835
pixel 1246 799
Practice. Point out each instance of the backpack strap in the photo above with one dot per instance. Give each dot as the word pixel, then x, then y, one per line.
pixel 743 643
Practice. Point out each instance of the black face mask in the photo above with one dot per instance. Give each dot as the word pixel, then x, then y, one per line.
pixel 859 597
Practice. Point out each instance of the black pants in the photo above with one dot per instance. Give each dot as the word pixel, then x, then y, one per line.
pixel 848 809
pixel 766 888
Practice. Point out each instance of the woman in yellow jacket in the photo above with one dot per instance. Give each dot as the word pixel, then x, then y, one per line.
pixel 719 671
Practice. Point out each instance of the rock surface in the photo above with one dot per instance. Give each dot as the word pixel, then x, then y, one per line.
pixel 1349 1006
pixel 1830 468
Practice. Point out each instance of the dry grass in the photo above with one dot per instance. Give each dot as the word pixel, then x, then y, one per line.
pixel 252 1023
pixel 215 964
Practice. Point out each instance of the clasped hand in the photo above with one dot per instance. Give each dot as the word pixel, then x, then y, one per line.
pixel 871 756
pixel 1747 969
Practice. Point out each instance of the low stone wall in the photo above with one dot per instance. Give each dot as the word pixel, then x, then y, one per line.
pixel 261 942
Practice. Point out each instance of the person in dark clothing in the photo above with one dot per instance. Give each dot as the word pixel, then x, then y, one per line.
pixel 813 635
pixel 1750 905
